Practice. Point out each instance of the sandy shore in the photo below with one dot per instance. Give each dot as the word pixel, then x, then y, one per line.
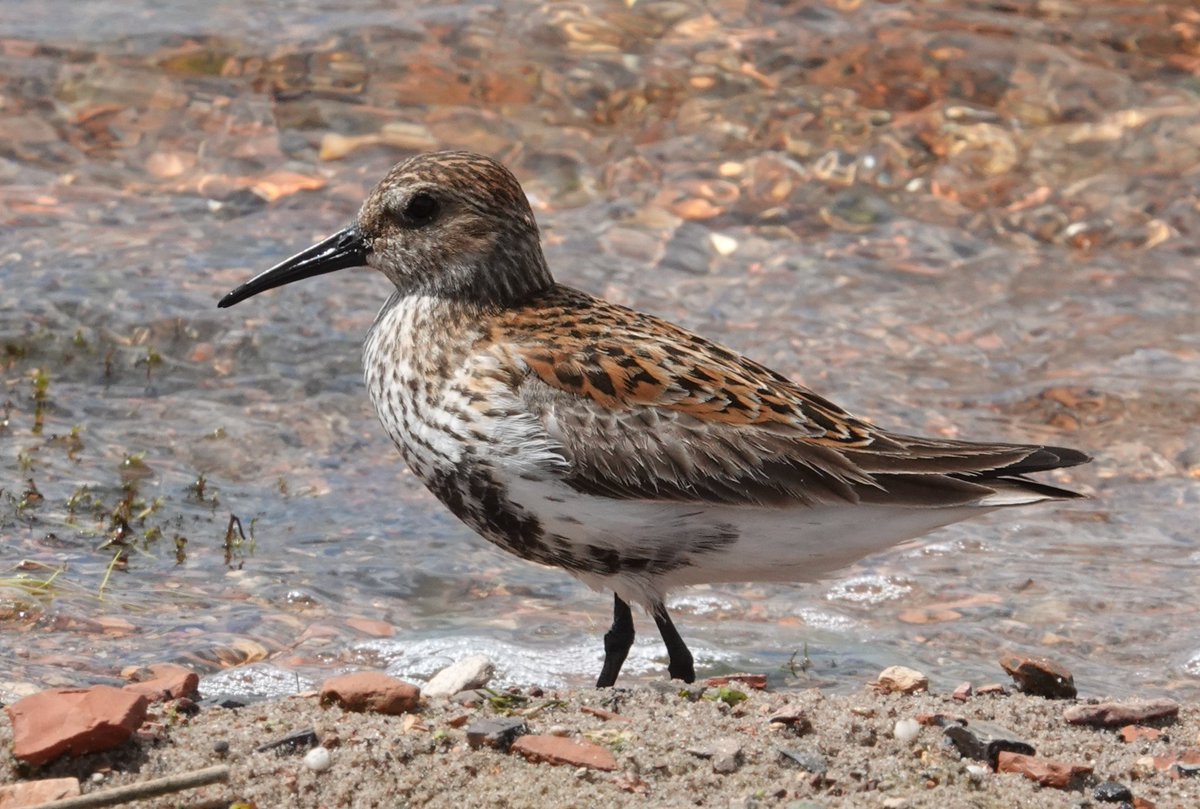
pixel 670 749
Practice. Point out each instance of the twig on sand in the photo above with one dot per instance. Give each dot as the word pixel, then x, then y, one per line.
pixel 145 789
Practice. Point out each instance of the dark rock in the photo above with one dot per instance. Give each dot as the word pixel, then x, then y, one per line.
pixel 1112 792
pixel 184 706
pixel 1040 676
pixel 298 742
pixel 806 758
pixel 984 741
pixel 498 733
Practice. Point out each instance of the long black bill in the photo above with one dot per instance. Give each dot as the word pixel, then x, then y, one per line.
pixel 343 249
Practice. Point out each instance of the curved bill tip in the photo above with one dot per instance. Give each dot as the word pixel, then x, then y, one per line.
pixel 343 249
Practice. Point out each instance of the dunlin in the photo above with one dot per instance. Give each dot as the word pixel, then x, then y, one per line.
pixel 632 453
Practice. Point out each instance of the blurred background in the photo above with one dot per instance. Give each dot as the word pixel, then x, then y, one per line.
pixel 961 218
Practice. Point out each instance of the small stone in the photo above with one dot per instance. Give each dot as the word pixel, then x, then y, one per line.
pixel 74 721
pixel 1040 676
pixel 726 754
pixel 1143 767
pixel 807 759
pixel 906 730
pixel 221 747
pixel 295 742
pixel 792 718
pixel 35 793
pixel 183 707
pixel 984 741
pixel 962 693
pixel 902 680
pixel 977 772
pixel 993 689
pixel 370 691
pixel 165 681
pixel 470 672
pixel 1183 769
pixel 1112 792
pixel 469 699
pixel 557 750
pixel 499 733
pixel 724 245
pixel 318 759
pixel 895 802
pixel 1044 771
pixel 1115 714
pixel 1134 733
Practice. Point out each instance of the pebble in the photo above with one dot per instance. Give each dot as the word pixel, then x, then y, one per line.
pixel 1112 792
pixel 792 718
pixel 370 691
pixel 318 759
pixel 1116 714
pixel 906 730
pixel 470 672
pixel 977 772
pixel 902 680
pixel 724 245
pixel 499 733
pixel 1048 773
pixel 1133 733
pixel 294 742
pixel 984 741
pixel 556 750
pixel 1040 676
pixel 807 759
pixel 726 754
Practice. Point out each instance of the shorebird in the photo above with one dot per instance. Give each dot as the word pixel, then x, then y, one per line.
pixel 634 454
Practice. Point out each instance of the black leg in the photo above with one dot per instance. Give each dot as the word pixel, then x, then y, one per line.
pixel 618 640
pixel 679 659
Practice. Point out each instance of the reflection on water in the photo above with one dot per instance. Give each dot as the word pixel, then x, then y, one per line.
pixel 956 220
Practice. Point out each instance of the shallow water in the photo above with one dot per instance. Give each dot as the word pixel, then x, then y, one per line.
pixel 956 219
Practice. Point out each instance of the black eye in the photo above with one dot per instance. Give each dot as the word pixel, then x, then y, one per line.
pixel 421 209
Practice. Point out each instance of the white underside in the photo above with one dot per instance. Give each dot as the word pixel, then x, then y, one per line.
pixel 769 544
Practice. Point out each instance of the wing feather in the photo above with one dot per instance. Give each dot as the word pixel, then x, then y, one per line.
pixel 644 409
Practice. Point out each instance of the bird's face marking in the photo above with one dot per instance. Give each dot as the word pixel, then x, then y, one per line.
pixel 453 224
